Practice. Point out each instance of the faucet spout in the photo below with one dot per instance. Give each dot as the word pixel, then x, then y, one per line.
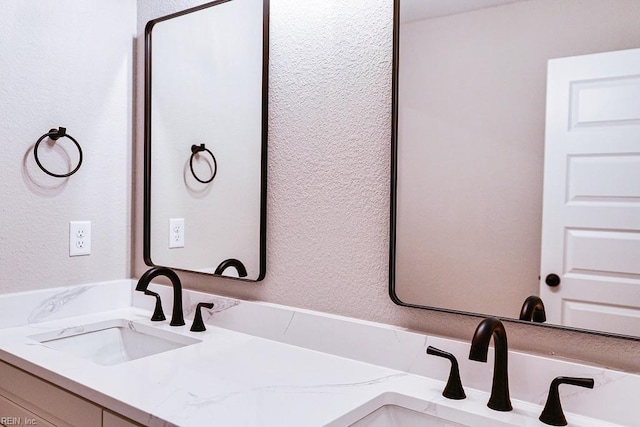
pixel 493 327
pixel 533 310
pixel 177 318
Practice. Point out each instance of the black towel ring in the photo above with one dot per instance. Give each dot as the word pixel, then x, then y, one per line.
pixel 196 149
pixel 55 134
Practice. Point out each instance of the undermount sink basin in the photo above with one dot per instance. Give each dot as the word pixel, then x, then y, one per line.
pixel 398 410
pixel 113 341
pixel 394 415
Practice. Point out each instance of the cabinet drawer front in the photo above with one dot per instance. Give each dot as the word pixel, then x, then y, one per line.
pixel 110 419
pixel 14 414
pixel 47 400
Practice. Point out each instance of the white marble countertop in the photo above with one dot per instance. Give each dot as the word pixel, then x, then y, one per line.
pixel 233 378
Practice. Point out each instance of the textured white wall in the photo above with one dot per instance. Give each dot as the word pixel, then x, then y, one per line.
pixel 328 192
pixel 65 63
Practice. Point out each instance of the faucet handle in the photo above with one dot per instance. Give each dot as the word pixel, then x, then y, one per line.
pixel 453 389
pixel 158 314
pixel 552 413
pixel 198 323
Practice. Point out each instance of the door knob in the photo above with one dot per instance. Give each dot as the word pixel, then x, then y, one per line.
pixel 552 280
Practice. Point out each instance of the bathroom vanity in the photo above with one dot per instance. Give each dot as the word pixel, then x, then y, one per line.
pixel 28 400
pixel 261 364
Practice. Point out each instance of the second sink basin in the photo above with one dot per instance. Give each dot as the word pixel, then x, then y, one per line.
pixel 394 415
pixel 392 409
pixel 113 341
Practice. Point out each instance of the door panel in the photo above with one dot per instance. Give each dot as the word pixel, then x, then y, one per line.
pixel 591 209
pixel 618 178
pixel 603 317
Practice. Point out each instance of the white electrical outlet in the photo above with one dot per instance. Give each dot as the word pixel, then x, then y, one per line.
pixel 176 233
pixel 79 238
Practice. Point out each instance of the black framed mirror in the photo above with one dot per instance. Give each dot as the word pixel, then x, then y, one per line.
pixel 476 85
pixel 205 135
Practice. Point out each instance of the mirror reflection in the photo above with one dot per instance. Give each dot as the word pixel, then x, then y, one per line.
pixel 205 139
pixel 476 103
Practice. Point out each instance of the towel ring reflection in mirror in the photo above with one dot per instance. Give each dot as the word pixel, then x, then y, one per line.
pixel 56 134
pixel 195 149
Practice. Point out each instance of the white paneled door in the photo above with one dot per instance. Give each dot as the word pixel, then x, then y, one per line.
pixel 591 207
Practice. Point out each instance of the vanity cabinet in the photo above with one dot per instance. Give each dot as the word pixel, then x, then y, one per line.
pixel 109 419
pixel 29 400
pixel 14 414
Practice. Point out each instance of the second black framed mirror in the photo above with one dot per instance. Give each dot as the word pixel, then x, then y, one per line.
pixel 498 107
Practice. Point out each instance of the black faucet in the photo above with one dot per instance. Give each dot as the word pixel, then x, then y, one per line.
pixel 493 327
pixel 533 310
pixel 177 318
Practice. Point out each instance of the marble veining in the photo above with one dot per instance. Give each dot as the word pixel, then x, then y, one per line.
pixel 55 303
pixel 286 329
pixel 309 389
pixel 219 305
pixel 73 330
pixel 431 408
pixel 395 334
pixel 32 307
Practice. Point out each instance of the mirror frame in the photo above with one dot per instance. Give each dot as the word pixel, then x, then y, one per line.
pixel 264 136
pixel 393 206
